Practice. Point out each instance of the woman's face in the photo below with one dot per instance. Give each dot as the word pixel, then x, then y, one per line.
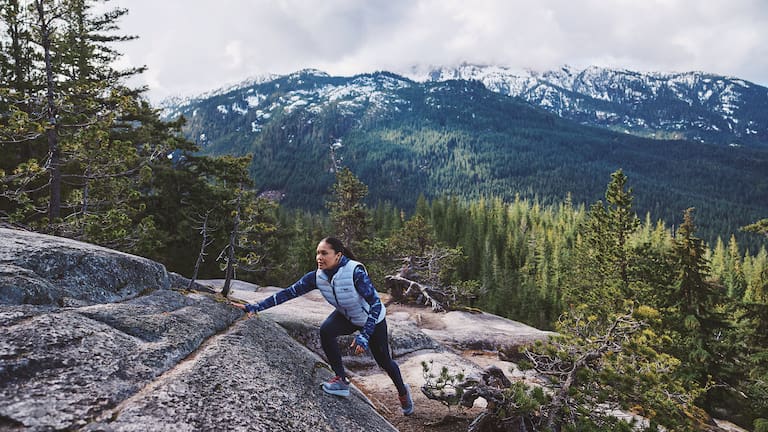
pixel 326 257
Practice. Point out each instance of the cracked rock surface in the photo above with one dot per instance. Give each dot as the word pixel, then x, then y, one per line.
pixel 93 340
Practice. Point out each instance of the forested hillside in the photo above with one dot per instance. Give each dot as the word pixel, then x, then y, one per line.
pixel 457 138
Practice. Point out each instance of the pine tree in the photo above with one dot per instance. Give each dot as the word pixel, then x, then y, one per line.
pixel 348 212
pixel 734 275
pixel 751 389
pixel 692 307
pixel 603 259
pixel 596 364
pixel 717 263
pixel 757 279
pixel 251 237
pixel 79 155
pixel 759 227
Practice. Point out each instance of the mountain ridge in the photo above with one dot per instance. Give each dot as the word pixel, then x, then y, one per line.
pixel 701 106
pixel 456 137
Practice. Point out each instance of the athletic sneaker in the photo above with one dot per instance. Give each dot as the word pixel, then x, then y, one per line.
pixel 337 386
pixel 406 403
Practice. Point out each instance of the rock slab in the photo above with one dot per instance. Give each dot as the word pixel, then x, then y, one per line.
pixel 41 269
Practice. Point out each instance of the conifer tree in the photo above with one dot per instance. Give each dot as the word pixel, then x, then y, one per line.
pixel 751 389
pixel 757 278
pixel 80 137
pixel 759 227
pixel 692 308
pixel 348 212
pixel 602 276
pixel 253 227
pixel 717 261
pixel 752 324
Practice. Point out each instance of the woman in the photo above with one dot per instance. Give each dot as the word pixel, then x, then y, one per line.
pixel 345 284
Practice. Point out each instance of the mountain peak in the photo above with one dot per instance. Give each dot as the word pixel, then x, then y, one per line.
pixel 689 105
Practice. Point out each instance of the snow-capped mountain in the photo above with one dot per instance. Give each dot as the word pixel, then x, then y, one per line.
pixel 308 89
pixel 692 105
pixel 481 131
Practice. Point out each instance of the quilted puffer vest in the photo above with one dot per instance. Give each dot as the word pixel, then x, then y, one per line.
pixel 341 293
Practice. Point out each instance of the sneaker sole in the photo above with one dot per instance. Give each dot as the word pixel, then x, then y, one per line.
pixel 342 393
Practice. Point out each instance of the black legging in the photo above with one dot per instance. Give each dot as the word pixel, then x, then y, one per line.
pixel 337 324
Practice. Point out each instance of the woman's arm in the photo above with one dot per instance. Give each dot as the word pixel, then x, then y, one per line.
pixel 299 288
pixel 365 288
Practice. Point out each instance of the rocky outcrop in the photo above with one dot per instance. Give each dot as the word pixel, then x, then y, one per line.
pixel 45 270
pixel 92 339
pixel 62 367
pixel 412 328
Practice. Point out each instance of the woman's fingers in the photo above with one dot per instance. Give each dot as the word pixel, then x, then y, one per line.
pixel 358 349
pixel 241 307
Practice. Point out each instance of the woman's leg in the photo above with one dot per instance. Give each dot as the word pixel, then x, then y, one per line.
pixel 379 345
pixel 334 326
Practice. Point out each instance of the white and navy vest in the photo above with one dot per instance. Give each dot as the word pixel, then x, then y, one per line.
pixel 341 293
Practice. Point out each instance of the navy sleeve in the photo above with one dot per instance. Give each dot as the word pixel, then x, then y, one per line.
pixel 365 288
pixel 302 286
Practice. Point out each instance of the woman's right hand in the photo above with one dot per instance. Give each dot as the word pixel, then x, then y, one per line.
pixel 241 307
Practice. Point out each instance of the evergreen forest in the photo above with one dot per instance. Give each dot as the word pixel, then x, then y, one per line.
pixel 85 156
pixel 458 138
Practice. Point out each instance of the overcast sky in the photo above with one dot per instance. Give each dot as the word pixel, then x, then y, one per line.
pixel 193 46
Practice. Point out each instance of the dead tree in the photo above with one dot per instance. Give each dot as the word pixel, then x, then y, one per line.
pixel 404 285
pixel 206 241
pixel 421 279
pixel 228 253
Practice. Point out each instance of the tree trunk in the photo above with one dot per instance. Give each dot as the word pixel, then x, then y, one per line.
pixel 52 133
pixel 201 255
pixel 412 288
pixel 230 271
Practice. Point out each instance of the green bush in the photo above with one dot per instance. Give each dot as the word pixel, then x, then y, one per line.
pixel 761 425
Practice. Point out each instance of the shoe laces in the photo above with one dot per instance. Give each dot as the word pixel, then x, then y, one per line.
pixel 336 379
pixel 404 400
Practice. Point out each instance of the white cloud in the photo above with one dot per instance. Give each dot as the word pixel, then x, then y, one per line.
pixel 234 53
pixel 205 45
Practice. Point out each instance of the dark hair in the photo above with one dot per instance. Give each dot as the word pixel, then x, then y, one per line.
pixel 338 246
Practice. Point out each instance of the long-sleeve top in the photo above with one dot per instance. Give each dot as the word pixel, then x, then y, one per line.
pixel 308 282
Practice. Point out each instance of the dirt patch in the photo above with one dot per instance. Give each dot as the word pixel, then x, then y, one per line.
pixel 429 415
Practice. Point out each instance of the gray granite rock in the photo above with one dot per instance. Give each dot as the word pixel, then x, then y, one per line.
pixel 92 339
pixel 61 367
pixel 42 269
pixel 251 378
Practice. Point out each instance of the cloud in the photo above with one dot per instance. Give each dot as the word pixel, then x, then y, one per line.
pixel 206 45
pixel 233 51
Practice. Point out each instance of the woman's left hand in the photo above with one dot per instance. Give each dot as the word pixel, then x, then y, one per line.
pixel 360 344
